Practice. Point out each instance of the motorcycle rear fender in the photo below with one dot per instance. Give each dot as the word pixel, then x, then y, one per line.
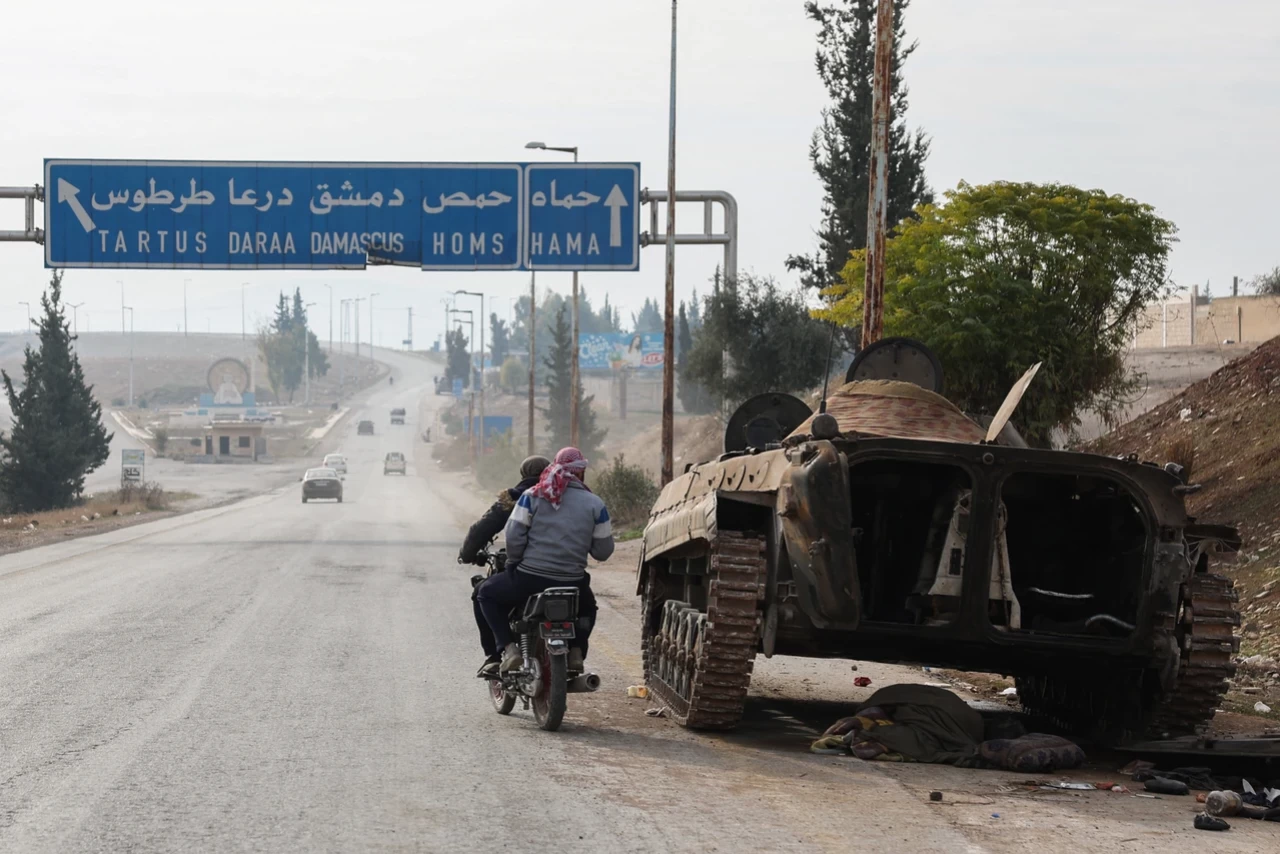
pixel 554 603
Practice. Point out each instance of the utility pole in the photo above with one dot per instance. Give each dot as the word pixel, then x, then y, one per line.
pixel 409 337
pixel 342 339
pixel 121 284
pixel 668 326
pixel 306 355
pixel 242 326
pixel 878 192
pixel 185 282
pixel 130 310
pixel 75 311
pixel 371 296
pixel 28 305
pixel 481 383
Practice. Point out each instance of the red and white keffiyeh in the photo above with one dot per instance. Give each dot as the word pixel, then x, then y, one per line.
pixel 569 463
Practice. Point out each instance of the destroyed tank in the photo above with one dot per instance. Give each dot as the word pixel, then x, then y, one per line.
pixel 896 528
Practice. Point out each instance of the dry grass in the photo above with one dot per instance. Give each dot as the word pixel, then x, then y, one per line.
pixel 99 512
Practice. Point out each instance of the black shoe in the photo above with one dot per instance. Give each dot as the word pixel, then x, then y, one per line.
pixel 490 667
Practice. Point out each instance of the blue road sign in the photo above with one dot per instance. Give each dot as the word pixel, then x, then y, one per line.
pixel 582 216
pixel 246 215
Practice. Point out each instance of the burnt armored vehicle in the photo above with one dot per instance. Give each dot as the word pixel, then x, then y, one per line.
pixel 896 528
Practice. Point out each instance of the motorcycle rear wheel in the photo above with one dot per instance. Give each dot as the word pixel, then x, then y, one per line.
pixel 549 705
pixel 503 702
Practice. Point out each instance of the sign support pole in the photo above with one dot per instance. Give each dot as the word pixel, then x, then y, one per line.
pixel 533 352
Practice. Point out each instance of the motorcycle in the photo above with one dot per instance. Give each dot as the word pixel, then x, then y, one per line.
pixel 544 625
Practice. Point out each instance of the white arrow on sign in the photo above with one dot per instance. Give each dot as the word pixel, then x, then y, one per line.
pixel 615 203
pixel 67 192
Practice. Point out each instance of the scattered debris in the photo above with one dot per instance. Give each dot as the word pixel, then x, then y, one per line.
pixel 862 681
pixel 658 712
pixel 1165 786
pixel 1208 822
pixel 935 796
pixel 637 692
pixel 1261 707
pixel 1009 692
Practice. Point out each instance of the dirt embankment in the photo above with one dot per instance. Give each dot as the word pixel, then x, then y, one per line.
pixel 1227 427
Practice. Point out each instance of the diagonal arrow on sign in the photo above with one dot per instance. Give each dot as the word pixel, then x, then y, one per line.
pixel 68 192
pixel 615 203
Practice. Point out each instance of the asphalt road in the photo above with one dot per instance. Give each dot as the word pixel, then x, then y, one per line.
pixel 273 676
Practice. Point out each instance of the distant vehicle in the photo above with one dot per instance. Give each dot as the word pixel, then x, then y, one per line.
pixel 397 416
pixel 321 483
pixel 394 463
pixel 364 428
pixel 337 462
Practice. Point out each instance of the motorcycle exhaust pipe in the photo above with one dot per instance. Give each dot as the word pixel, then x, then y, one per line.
pixel 585 684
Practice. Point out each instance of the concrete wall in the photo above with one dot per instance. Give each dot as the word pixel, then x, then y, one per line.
pixel 1245 319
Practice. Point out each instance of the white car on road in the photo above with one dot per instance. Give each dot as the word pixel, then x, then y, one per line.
pixel 337 462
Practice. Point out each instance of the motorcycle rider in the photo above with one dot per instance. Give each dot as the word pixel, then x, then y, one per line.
pixel 485 529
pixel 554 527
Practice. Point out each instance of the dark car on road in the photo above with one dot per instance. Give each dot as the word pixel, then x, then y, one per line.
pixel 364 428
pixel 397 416
pixel 321 483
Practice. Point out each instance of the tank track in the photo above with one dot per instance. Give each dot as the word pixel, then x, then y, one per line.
pixel 699 663
pixel 1109 708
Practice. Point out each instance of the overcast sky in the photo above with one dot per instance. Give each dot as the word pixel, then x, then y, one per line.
pixel 1173 102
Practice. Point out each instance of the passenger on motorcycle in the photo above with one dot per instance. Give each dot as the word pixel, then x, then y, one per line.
pixel 553 529
pixel 485 529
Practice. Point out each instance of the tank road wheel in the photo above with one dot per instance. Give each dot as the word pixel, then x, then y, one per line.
pixel 698 663
pixel 1111 708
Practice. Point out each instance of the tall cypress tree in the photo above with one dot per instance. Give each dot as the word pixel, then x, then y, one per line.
pixel 559 379
pixel 693 397
pixel 841 147
pixel 57 436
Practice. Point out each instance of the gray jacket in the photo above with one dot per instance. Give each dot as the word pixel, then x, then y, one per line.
pixel 555 543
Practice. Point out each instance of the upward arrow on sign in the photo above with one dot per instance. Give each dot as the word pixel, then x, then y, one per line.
pixel 68 192
pixel 616 201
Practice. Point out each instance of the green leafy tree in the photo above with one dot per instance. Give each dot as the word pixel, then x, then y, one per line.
pixel 841 147
pixel 57 435
pixel 558 383
pixel 693 397
pixel 773 342
pixel 1004 275
pixel 457 360
pixel 499 339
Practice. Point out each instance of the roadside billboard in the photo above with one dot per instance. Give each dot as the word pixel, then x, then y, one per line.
pixel 615 350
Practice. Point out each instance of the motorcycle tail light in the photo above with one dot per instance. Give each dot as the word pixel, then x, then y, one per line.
pixel 567 625
pixel 546 625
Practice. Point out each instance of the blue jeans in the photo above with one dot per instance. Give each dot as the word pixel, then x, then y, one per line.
pixel 498 594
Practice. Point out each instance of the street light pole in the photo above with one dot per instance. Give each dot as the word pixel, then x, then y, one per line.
pixel 330 289
pixel 185 282
pixel 243 285
pixel 371 296
pixel 306 356
pixel 28 305
pixel 129 309
pixel 121 284
pixel 356 323
pixel 75 315
pixel 573 357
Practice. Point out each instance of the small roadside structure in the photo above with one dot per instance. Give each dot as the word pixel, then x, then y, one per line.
pixel 233 442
